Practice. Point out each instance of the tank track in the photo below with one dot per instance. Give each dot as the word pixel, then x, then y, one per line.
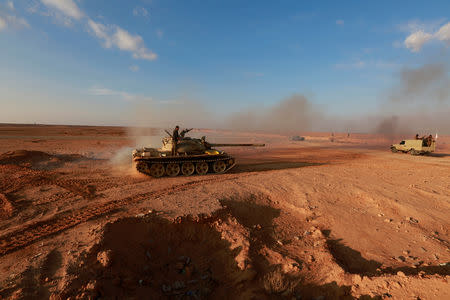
pixel 143 164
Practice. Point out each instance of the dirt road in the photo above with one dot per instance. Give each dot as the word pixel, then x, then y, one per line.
pixel 314 219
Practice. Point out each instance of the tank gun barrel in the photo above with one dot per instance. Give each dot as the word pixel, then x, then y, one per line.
pixel 237 145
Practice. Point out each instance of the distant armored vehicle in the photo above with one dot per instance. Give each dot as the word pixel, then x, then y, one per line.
pixel 415 147
pixel 193 156
pixel 297 138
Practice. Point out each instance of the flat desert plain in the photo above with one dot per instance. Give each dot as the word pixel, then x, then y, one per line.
pixel 313 219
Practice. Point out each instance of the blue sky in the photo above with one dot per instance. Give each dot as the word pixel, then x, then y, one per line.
pixel 98 61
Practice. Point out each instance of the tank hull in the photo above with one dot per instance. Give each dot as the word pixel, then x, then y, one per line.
pixel 184 165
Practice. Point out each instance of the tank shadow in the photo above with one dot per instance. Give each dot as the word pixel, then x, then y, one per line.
pixel 269 166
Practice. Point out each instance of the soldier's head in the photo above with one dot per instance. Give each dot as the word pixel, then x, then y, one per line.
pixel 177 127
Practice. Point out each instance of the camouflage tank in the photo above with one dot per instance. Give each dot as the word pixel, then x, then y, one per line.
pixel 193 156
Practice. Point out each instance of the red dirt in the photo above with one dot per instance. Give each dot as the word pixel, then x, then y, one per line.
pixel 6 208
pixel 339 220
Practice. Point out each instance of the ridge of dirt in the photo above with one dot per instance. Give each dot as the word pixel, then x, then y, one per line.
pixel 31 233
pixel 37 159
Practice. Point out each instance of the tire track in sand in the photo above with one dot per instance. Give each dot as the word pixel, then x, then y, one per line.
pixel 20 238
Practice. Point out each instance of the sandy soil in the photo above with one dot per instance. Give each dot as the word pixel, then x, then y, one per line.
pixel 326 218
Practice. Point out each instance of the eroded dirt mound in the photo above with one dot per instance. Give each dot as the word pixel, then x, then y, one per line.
pixel 6 208
pixel 156 258
pixel 36 159
pixel 233 254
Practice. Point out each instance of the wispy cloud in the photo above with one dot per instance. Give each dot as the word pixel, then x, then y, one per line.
pixel 369 64
pixel 10 5
pixel 422 34
pixel 67 7
pixel 134 68
pixel 114 36
pixel 2 24
pixel 105 92
pixel 8 21
pixel 418 25
pixel 139 11
pixel 159 33
pixel 99 91
pixel 357 64
pixel 416 40
pixel 65 11
pixel 444 33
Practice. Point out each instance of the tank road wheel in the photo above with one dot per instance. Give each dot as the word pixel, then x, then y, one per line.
pixel 142 167
pixel 187 169
pixel 394 150
pixel 201 168
pixel 173 170
pixel 157 170
pixel 219 166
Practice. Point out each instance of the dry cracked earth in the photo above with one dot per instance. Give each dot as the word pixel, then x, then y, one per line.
pixel 315 219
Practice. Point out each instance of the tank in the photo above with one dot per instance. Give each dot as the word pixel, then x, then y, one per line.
pixel 194 156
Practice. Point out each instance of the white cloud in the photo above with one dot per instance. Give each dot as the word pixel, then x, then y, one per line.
pixel 339 22
pixel 134 68
pixel 122 39
pixel 100 91
pixel 444 33
pixel 65 11
pixel 140 11
pixel 100 31
pixel 419 37
pixel 125 41
pixel 416 40
pixel 67 7
pixel 159 33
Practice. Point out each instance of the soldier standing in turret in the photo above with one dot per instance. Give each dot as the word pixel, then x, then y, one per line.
pixel 175 138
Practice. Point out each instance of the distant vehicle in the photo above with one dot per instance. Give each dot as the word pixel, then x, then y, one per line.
pixel 414 147
pixel 297 138
pixel 193 156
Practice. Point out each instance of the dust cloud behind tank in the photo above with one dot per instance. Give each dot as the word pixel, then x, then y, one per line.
pixel 194 155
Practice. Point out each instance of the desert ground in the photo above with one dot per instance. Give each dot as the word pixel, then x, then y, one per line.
pixel 314 219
